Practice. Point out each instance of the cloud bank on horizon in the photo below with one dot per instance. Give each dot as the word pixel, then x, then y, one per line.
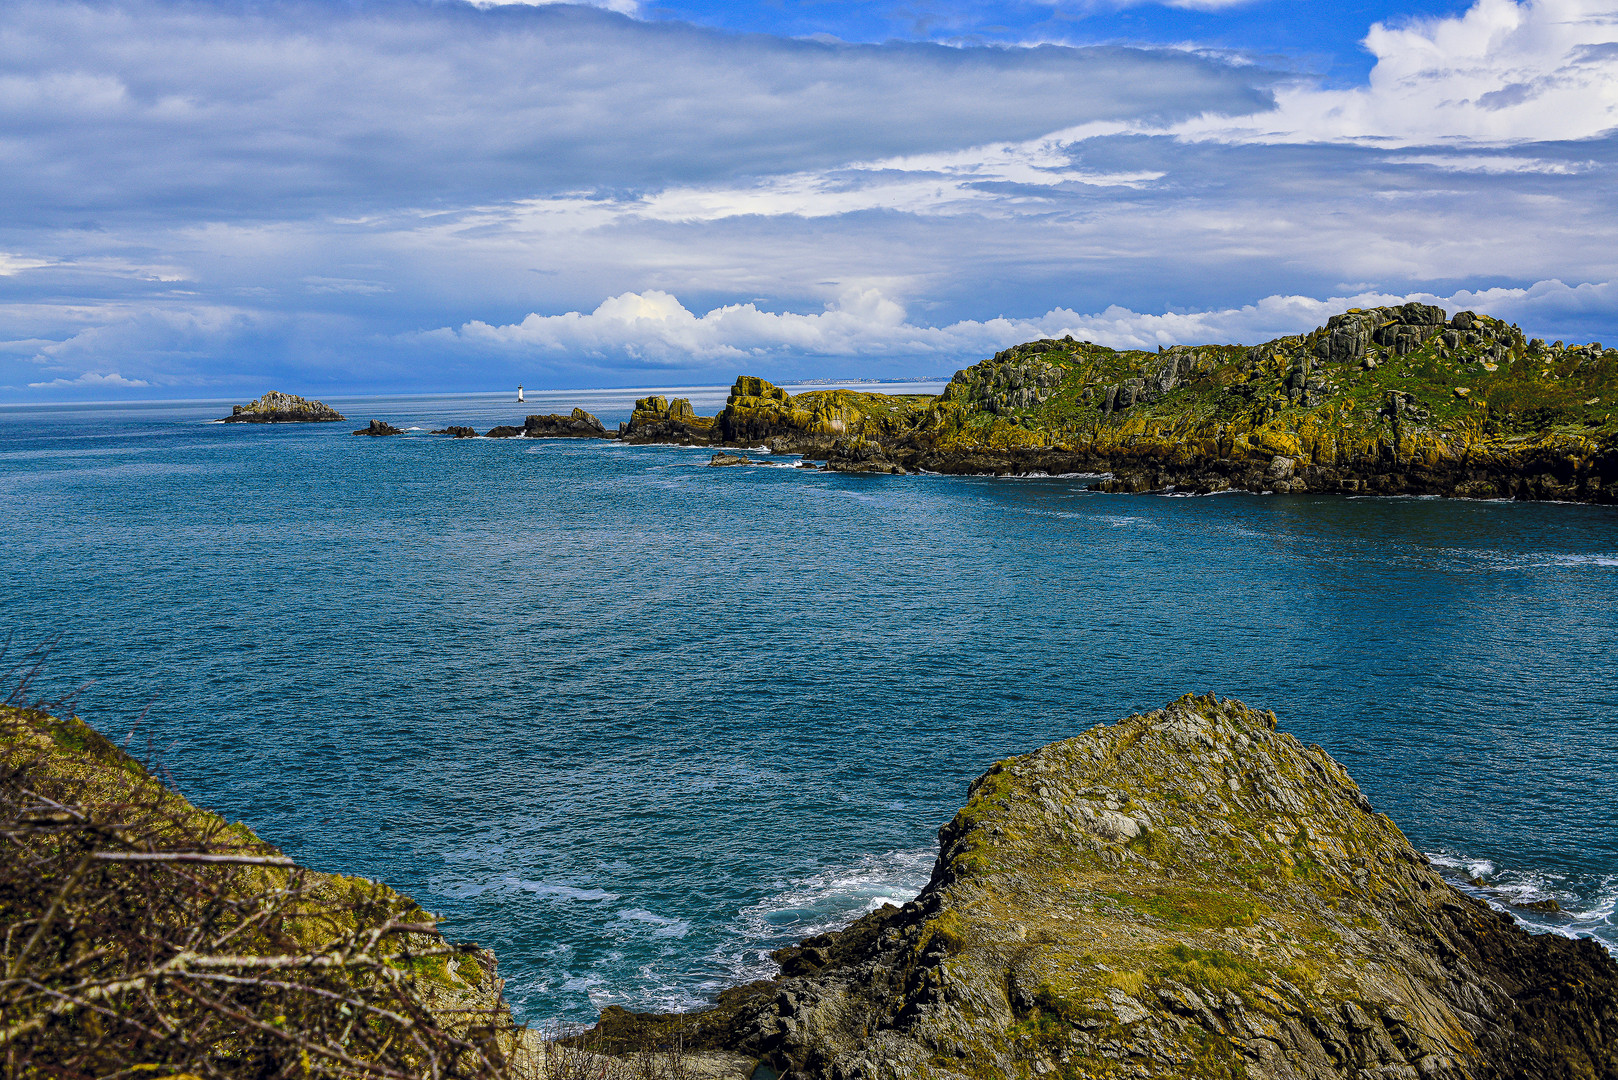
pixel 394 195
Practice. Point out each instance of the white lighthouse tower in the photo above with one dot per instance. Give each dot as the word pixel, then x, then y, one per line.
pixel 519 393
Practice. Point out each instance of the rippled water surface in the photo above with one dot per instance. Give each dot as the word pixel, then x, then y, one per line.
pixel 633 721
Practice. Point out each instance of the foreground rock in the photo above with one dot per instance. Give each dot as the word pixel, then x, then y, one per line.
pixel 279 408
pixel 1186 893
pixel 162 940
pixel 380 427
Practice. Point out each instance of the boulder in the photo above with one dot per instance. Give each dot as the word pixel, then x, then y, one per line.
pixel 278 408
pixel 1187 893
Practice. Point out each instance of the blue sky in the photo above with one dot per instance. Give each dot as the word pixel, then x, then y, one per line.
pixel 211 199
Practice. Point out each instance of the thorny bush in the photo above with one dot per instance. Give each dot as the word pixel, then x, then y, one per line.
pixel 140 936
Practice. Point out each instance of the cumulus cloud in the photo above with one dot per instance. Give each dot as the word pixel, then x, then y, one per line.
pixel 94 379
pixel 656 326
pixel 215 191
pixel 1501 72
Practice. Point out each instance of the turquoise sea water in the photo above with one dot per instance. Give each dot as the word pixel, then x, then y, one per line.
pixel 633 722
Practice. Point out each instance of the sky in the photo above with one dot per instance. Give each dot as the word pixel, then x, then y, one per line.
pixel 214 198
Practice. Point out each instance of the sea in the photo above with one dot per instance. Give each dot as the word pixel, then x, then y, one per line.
pixel 633 722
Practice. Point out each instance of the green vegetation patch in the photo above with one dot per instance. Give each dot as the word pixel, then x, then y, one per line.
pixel 1193 909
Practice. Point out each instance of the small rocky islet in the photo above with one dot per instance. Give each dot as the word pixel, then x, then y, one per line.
pixel 278 408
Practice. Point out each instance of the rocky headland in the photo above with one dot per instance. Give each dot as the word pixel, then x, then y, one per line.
pixel 278 408
pixel 1187 893
pixel 1386 401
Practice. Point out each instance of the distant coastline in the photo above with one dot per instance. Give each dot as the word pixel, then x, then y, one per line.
pixel 1383 401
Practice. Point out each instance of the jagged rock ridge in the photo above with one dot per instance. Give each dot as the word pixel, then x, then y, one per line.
pixel 1186 893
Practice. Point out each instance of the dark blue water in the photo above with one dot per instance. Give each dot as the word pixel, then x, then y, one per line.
pixel 633 721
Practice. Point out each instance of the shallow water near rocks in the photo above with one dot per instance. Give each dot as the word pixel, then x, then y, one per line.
pixel 633 722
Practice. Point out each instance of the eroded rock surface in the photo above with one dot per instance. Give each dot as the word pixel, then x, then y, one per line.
pixel 1186 893
pixel 278 408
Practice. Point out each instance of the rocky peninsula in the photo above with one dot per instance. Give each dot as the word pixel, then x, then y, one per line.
pixel 1386 401
pixel 278 408
pixel 1187 893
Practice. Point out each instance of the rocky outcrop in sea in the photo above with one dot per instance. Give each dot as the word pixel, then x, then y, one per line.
pixel 656 419
pixel 379 428
pixel 278 408
pixel 1186 893
pixel 578 425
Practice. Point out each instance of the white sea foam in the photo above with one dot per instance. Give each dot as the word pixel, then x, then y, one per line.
pixel 559 892
pixel 660 926
pixel 819 903
pixel 1588 902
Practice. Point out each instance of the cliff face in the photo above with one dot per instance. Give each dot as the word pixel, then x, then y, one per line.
pixel 1186 893
pixel 279 408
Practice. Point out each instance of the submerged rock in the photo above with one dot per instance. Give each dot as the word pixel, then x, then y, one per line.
pixel 1185 893
pixel 380 427
pixel 278 408
pixel 720 460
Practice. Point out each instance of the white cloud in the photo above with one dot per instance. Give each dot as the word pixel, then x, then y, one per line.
pixel 655 326
pixel 1501 72
pixel 622 7
pixel 15 264
pixel 969 181
pixel 91 378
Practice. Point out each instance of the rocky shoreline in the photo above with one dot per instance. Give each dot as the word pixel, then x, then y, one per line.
pixel 1187 893
pixel 1403 400
pixel 1382 401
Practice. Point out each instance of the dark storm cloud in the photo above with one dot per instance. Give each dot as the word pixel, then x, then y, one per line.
pixel 268 110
